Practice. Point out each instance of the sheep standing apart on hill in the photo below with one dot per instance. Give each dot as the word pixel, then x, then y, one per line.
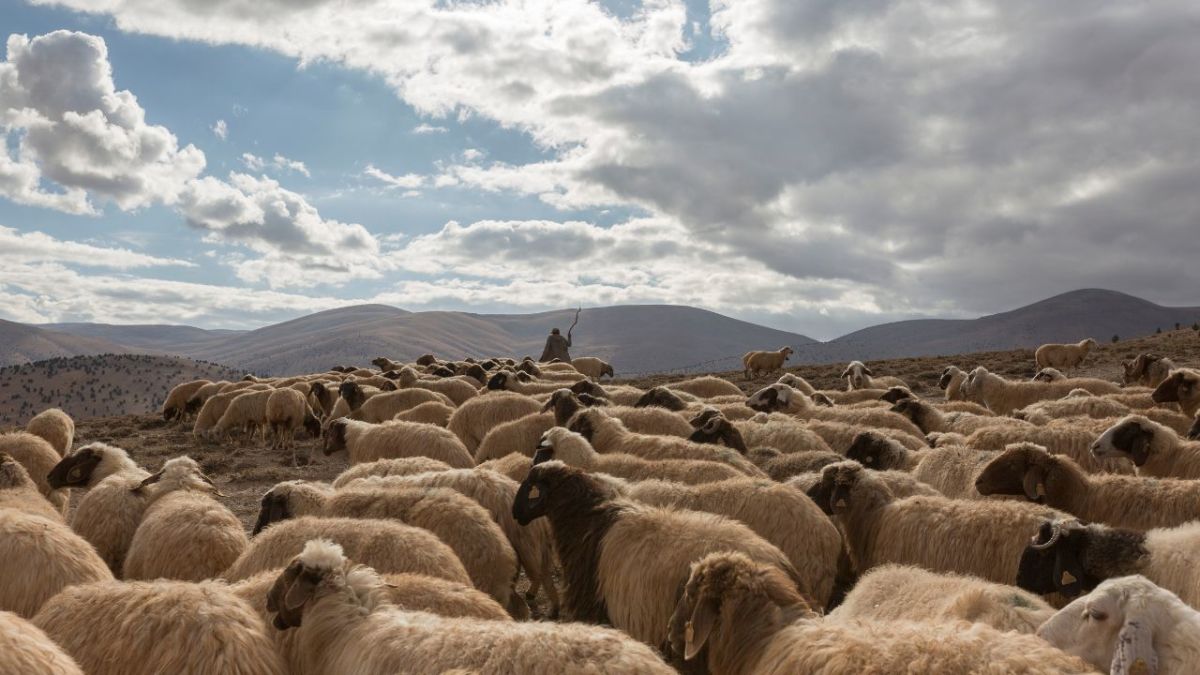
pixel 1182 386
pixel 287 412
pixel 345 624
pixel 764 362
pixel 1121 501
pixel 472 420
pixel 24 648
pixel 431 412
pixel 110 511
pixel 185 534
pixel 593 367
pixel 368 442
pixel 42 557
pixel 56 427
pixel 1064 357
pixel 859 376
pixel 1071 558
pixel 1003 396
pixel 175 407
pixel 753 622
pixel 1129 626
pixel 39 458
pixel 150 628
pixel 1148 370
pixel 1153 448
pixel 18 491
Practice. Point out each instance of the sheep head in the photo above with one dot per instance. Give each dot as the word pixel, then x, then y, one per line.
pixel 857 373
pixel 585 423
pixel 1071 558
pixel 947 376
pixel 606 369
pixel 1131 438
pixel 716 428
pixel 833 492
pixel 299 585
pixel 1180 386
pixel 588 387
pixel 499 381
pixel 821 399
pixel 896 394
pixel 1113 627
pixel 381 363
pixel 275 506
pixel 426 360
pixel 770 399
pixel 75 470
pixel 13 474
pixel 335 436
pixel 552 486
pixel 876 451
pixel 1023 468
pixel 661 397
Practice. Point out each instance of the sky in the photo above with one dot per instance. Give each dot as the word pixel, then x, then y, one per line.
pixel 813 165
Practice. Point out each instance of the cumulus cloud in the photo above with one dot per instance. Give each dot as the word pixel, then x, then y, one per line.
pixel 30 247
pixel 279 162
pixel 77 137
pixel 408 181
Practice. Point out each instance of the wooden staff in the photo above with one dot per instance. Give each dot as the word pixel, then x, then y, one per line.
pixel 577 311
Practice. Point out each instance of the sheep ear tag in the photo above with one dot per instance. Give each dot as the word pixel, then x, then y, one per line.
pixel 1067 579
pixel 534 492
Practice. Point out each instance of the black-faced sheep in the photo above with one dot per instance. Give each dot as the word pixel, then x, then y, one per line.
pixel 1153 448
pixel 951 380
pixel 592 367
pixel 1182 386
pixel 1148 370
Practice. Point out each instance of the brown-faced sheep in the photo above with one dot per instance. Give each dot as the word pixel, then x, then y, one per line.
pixel 24 648
pixel 38 457
pixel 930 419
pixel 18 491
pixel 859 376
pixel 1153 448
pixel 185 533
pixel 623 561
pixel 765 362
pixel 56 427
pixel 1148 370
pixel 42 557
pixel 368 442
pixel 1064 357
pixel 753 622
pixel 592 367
pixel 149 628
pixel 176 404
pixel 1182 386
pixel 1132 502
pixel 472 420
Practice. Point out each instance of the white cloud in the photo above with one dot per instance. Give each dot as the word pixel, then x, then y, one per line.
pixel 256 163
pixel 30 247
pixel 221 130
pixel 428 129
pixel 408 181
pixel 78 137
pixel 473 154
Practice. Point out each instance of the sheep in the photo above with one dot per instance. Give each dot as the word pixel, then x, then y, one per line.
pixel 38 457
pixel 930 419
pixel 56 427
pixel 777 513
pixel 456 390
pixel 344 624
pixel 406 466
pixel 286 412
pixel 387 545
pixel 840 435
pixel 593 367
pixel 1003 396
pixel 904 593
pixel 368 442
pixel 765 362
pixel 472 420
pixel 1182 386
pixel 859 376
pixel 1128 625
pixel 753 622
pixel 503 381
pixel 786 437
pixel 1153 448
pixel 42 557
pixel 876 451
pixel 1064 357
pixel 425 360
pixel 574 450
pixel 1071 558
pixel 1072 442
pixel 623 562
pixel 24 648
pixel 984 539
pixel 830 398
pixel 18 491
pixel 651 420
pixel 796 382
pixel 147 628
pixel 782 398
pixel 706 386
pixel 430 412
pixel 1194 431
pixel 618 394
pixel 456 520
pixel 1048 375
pixel 780 467
pixel 197 400
pixel 900 483
pixel 660 397
pixel 175 406
pixel 1121 501
pixel 385 364
pixel 211 412
pixel 384 406
pixel 1146 369
pixel 951 470
pixel 951 381
pixel 1098 407
pixel 184 534
pixel 608 435
pixel 354 393
pixel 518 436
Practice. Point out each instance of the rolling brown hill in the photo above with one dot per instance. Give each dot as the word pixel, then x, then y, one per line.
pixel 21 343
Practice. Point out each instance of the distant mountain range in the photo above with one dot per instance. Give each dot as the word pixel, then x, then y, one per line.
pixel 635 338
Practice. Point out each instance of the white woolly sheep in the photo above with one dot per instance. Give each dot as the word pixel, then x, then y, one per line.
pixel 904 593
pixel 24 648
pixel 765 362
pixel 573 450
pixel 930 419
pixel 951 380
pixel 38 457
pixel 516 436
pixel 344 623
pixel 753 622
pixel 706 387
pixel 384 406
pixel 833 397
pixel 1121 501
pixel 796 382
pixel 56 427
pixel 149 628
pixel 368 442
pixel 782 398
pixel 505 381
pixel 456 390
pixel 405 466
pixel 42 557
pixel 18 491
pixel 211 412
pixel 176 404
pixel 859 376
pixel 1153 448
pixel 185 534
pixel 432 412
pixel 472 420
pixel 592 367
pixel 458 521
pixel 1182 386
pixel 1071 441
pixel 1128 626
pixel 1003 396
pixel 1064 356
pixel 1048 375
pixel 246 412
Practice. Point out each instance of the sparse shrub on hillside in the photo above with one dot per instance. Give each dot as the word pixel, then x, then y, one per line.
pixel 1158 331
pixel 1115 338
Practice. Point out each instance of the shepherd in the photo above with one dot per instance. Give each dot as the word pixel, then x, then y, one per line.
pixel 557 345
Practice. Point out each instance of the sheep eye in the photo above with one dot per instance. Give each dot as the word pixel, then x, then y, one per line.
pixel 1096 615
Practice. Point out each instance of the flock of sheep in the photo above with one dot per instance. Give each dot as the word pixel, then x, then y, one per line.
pixel 1044 526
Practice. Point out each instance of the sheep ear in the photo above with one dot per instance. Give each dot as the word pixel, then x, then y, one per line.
pixel 867 372
pixel 299 592
pixel 712 425
pixel 1035 484
pixel 1135 650
pixel 1140 449
pixel 699 627
pixel 150 480
pixel 845 373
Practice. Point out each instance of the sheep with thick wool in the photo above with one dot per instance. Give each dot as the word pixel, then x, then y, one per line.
pixel 18 491
pixel 384 406
pixel 38 457
pixel 782 398
pixel 286 413
pixel 780 467
pixel 1148 370
pixel 651 420
pixel 1133 502
pixel 431 412
pixel 404 466
pixel 900 483
pixel 456 390
pixel 1064 356
pixel 859 376
pixel 1098 407
pixel 458 521
pixel 706 387
pixel 765 362
pixel 176 404
pixel 930 419
pixel 786 437
pixel 980 538
pixel 1049 375
pixel 368 442
pixel 951 382
pixel 56 427
pixel 1071 441
pixel 42 557
pixel 519 436
pixel 472 420
pixel 1071 558
pixel 1182 386
pixel 753 622
pixel 344 623
pixel 1153 448
pixel 211 413
pixel 1129 626
pixel 573 449
pixel 246 412
pixel 110 511
pixel 1003 396
pixel 25 649
pixel 506 381
pixel 185 533
pixel 593 367
pixel 149 628
pixel 623 561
